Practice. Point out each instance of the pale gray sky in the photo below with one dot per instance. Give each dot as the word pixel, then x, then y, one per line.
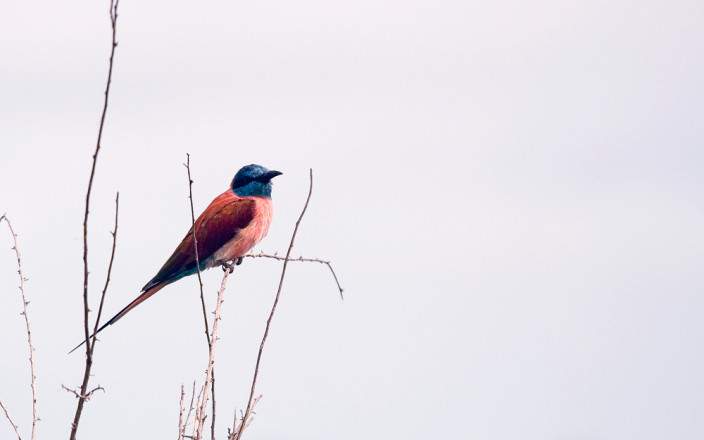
pixel 511 193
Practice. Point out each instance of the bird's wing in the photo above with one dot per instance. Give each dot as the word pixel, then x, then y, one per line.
pixel 217 225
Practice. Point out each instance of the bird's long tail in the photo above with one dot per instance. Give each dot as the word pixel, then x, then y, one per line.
pixel 137 301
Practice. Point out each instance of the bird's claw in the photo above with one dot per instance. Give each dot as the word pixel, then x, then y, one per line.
pixel 228 267
pixel 239 261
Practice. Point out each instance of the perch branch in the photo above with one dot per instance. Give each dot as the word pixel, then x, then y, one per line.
pixel 328 263
pixel 250 402
pixel 25 303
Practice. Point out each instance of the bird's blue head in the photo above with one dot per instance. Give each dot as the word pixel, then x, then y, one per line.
pixel 253 180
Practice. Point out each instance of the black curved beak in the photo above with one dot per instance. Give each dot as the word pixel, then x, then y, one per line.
pixel 269 175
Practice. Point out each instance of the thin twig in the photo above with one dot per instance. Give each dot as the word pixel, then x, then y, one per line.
pixel 212 392
pixel 328 263
pixel 231 431
pixel 89 345
pixel 83 396
pixel 107 278
pixel 32 363
pixel 9 419
pixel 238 427
pixel 195 416
pixel 200 283
pixel 250 401
pixel 200 409
pixel 195 246
pixel 180 413
pixel 190 410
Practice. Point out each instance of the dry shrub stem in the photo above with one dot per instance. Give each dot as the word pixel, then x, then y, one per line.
pixel 90 344
pixel 195 246
pixel 203 400
pixel 107 278
pixel 237 434
pixel 238 425
pixel 184 425
pixel 84 395
pixel 9 419
pixel 180 414
pixel 200 284
pixel 28 329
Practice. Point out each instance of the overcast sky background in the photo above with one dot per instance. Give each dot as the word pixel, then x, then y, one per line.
pixel 511 193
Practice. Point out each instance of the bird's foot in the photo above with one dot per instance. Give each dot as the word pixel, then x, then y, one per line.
pixel 230 265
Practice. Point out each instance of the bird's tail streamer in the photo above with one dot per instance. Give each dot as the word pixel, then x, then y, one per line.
pixel 137 301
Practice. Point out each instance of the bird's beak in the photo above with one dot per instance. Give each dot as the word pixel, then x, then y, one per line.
pixel 269 175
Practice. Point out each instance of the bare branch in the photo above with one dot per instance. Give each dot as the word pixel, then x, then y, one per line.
pixel 200 284
pixel 113 21
pixel 195 246
pixel 212 392
pixel 328 263
pixel 9 419
pixel 239 426
pixel 200 408
pixel 83 396
pixel 231 431
pixel 107 278
pixel 190 410
pixel 180 414
pixel 251 401
pixel 32 362
pixel 89 344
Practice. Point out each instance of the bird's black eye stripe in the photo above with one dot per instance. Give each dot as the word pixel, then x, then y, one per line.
pixel 241 181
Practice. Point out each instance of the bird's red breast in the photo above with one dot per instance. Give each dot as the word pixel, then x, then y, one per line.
pixel 247 237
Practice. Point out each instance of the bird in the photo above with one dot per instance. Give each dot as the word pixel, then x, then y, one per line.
pixel 233 223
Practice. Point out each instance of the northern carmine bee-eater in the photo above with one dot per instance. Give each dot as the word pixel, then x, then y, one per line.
pixel 230 226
